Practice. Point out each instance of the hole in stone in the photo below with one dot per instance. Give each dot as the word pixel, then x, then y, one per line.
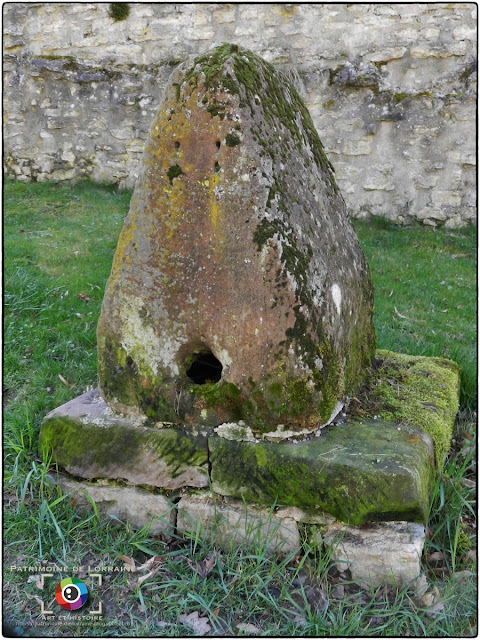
pixel 218 144
pixel 177 145
pixel 217 167
pixel 205 368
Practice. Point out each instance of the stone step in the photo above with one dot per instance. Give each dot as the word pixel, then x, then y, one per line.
pixel 381 553
pixel 359 472
pixel 87 440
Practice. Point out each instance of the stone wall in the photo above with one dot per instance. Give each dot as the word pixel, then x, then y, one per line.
pixel 391 89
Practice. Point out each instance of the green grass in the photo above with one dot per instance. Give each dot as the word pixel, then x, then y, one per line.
pixel 59 242
pixel 427 276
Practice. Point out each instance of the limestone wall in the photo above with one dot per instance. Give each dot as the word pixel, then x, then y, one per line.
pixel 391 89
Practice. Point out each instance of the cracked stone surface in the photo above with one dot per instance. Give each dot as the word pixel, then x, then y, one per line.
pixel 382 552
pixel 136 506
pixel 89 441
pixel 231 521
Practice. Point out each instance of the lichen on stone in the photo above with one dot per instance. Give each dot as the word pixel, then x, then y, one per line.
pixel 417 390
pixel 227 243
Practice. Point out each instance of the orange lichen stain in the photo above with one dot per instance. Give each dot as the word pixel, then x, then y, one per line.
pixel 121 257
pixel 145 382
pixel 413 438
pixel 215 209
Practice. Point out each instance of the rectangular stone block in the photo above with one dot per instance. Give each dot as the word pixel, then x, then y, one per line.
pixel 357 472
pixel 129 504
pixel 88 440
pixel 380 553
pixel 237 522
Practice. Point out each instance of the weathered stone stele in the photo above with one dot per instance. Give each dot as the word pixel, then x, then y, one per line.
pixel 238 289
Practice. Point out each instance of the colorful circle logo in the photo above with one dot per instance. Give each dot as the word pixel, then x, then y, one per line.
pixel 71 593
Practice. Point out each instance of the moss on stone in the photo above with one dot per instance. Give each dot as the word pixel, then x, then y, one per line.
pixel 173 172
pixel 258 83
pixel 130 386
pixel 116 449
pixel 216 110
pixel 222 397
pixel 231 140
pixel 420 391
pixel 358 472
pixel 119 11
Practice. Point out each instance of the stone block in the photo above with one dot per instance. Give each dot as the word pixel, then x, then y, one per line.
pixel 237 260
pixel 420 391
pixel 136 506
pixel 357 472
pixel 379 553
pixel 237 522
pixel 88 440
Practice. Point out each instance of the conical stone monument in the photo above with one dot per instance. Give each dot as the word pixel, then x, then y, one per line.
pixel 238 290
pixel 236 324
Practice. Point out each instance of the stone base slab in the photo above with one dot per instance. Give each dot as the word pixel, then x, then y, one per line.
pixel 136 506
pixel 235 522
pixel 379 553
pixel 359 471
pixel 89 440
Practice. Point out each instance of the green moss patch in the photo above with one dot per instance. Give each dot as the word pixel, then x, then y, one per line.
pixel 119 11
pixel 173 172
pixel 418 391
pixel 253 77
pixel 231 140
pixel 358 472
pixel 97 445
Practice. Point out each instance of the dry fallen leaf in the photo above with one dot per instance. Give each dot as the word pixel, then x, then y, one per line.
pixel 84 297
pixel 420 585
pixel 300 620
pixel 461 576
pixel 246 627
pixel 432 602
pixel 200 626
pixel 147 576
pixel 128 562
pixel 151 563
pixel 204 567
pixel 436 556
pixel 37 579
pixel 316 598
pixel 68 384
pixel 399 314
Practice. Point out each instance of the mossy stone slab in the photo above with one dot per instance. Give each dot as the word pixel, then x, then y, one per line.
pixel 89 441
pixel 358 472
pixel 416 390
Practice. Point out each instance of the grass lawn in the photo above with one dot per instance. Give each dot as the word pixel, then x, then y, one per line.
pixel 59 242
